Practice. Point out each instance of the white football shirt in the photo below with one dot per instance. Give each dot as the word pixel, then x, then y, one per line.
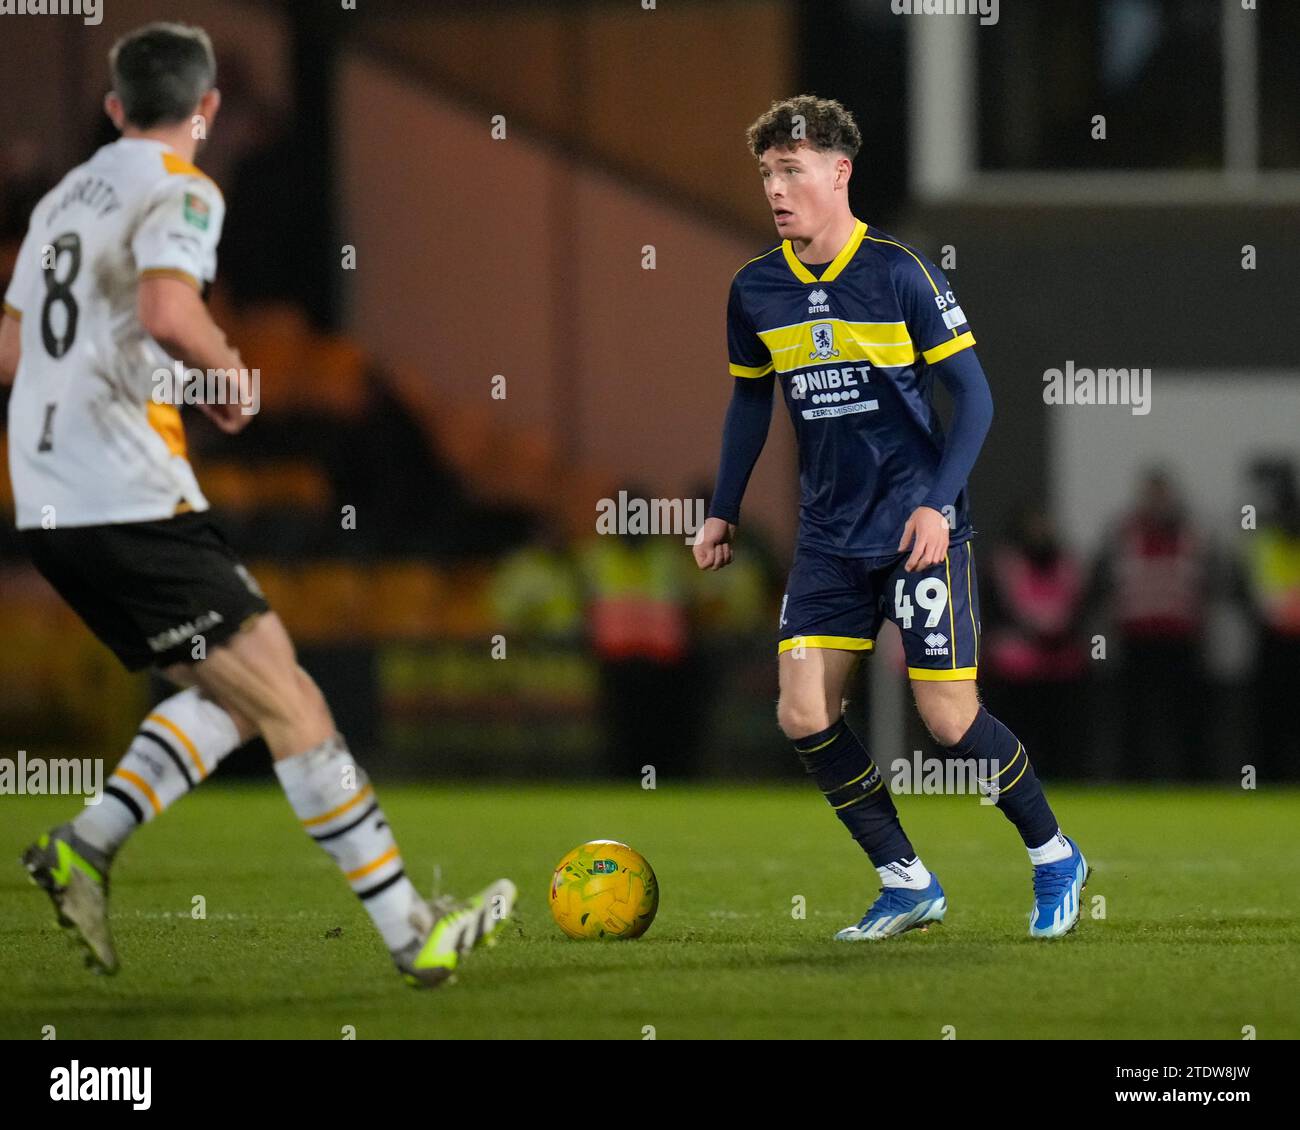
pixel 86 436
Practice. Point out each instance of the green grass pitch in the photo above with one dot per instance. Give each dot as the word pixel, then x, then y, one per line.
pixel 1196 933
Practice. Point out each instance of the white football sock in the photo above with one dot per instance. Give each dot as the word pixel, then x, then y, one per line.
pixel 910 874
pixel 1057 847
pixel 333 798
pixel 178 746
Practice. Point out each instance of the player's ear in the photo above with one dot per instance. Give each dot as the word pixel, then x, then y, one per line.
pixel 208 106
pixel 115 110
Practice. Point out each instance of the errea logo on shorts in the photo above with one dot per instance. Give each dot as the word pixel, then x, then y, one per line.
pixel 817 302
pixel 936 644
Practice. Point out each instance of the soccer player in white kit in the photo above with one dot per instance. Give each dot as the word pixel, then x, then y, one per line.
pixel 106 295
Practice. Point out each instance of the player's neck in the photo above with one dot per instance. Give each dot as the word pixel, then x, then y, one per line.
pixel 827 243
pixel 178 137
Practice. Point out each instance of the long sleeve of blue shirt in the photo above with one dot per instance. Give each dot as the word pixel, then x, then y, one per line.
pixel 964 379
pixel 744 433
pixel 749 417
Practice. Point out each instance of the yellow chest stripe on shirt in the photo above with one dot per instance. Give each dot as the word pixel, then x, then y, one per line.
pixel 883 344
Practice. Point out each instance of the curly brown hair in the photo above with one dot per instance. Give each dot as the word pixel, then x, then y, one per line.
pixel 824 123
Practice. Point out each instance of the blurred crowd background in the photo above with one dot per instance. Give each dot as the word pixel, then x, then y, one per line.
pixel 480 252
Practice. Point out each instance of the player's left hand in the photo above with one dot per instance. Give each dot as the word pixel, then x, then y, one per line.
pixel 927 533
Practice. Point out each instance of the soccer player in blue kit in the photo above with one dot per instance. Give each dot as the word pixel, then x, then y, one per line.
pixel 855 325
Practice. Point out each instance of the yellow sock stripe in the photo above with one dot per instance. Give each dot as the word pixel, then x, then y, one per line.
pixel 1018 776
pixel 326 817
pixel 182 737
pixel 1014 757
pixel 1019 749
pixel 855 779
pixel 823 745
pixel 870 792
pixel 373 865
pixel 141 784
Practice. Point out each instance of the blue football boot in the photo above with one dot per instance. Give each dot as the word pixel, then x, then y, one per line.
pixel 1058 893
pixel 897 910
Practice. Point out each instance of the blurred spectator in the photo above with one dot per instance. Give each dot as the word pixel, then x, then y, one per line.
pixel 1034 663
pixel 1154 577
pixel 1272 581
pixel 737 606
pixel 536 590
pixel 734 616
pixel 638 594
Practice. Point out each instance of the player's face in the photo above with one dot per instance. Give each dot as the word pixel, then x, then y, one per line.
pixel 800 188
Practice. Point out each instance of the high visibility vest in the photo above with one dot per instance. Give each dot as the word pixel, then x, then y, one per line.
pixel 1273 557
pixel 637 604
pixel 536 590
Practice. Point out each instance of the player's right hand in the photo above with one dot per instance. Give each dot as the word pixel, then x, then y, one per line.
pixel 713 544
pixel 230 418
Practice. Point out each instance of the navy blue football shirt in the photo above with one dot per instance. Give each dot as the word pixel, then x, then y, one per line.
pixel 852 349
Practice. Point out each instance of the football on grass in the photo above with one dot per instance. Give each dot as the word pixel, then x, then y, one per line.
pixel 604 889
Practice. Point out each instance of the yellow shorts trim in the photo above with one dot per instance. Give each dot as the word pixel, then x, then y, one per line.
pixel 952 675
pixel 839 643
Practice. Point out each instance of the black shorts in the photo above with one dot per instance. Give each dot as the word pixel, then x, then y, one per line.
pixel 149 590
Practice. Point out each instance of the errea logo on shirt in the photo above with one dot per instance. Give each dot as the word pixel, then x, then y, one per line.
pixel 817 303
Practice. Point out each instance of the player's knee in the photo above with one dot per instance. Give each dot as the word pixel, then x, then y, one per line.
pixel 798 718
pixel 947 722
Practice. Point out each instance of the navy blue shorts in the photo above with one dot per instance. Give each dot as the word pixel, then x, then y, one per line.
pixel 840 602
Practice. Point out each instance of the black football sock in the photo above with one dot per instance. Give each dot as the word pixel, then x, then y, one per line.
pixel 1019 793
pixel 856 791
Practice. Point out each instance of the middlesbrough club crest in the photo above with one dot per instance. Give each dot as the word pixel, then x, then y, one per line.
pixel 823 336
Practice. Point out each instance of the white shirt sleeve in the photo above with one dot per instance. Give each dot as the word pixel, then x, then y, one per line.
pixel 27 270
pixel 180 230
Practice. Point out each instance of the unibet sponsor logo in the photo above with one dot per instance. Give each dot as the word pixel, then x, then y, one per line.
pixel 827 380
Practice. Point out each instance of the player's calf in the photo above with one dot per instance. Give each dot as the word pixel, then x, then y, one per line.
pixel 257 672
pixel 811 693
pixel 1009 778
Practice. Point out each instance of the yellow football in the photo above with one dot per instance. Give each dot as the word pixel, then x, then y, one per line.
pixel 604 889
